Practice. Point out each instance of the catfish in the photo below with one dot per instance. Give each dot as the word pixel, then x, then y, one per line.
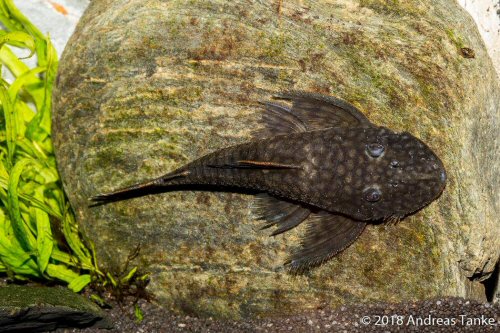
pixel 320 162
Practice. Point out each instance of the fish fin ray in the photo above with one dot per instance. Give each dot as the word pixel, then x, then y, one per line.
pixel 248 164
pixel 326 236
pixel 318 111
pixel 278 120
pixel 291 220
pixel 284 214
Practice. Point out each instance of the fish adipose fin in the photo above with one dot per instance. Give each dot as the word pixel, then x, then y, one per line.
pixel 283 214
pixel 309 112
pixel 326 236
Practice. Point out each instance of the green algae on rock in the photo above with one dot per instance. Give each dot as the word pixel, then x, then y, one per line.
pixel 146 86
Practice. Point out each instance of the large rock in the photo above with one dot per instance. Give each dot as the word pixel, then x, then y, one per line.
pixel 146 86
pixel 41 309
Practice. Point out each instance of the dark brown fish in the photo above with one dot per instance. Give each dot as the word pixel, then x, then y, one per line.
pixel 320 161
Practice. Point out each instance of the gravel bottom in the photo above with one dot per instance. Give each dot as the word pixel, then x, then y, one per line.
pixel 435 315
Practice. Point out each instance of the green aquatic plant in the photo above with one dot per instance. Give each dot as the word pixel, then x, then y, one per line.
pixel 39 238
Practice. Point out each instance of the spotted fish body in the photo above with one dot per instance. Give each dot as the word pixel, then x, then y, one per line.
pixel 321 162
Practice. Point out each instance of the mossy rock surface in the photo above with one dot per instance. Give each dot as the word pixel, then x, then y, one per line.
pixel 146 86
pixel 41 309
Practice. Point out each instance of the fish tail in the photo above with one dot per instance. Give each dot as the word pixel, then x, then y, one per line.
pixel 137 190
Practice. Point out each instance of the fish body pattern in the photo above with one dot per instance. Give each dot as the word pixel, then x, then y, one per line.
pixel 320 162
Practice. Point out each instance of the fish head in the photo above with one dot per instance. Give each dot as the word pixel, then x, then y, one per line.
pixel 400 175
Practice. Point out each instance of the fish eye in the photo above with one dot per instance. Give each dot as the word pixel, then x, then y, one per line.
pixel 372 195
pixel 374 149
pixel 394 163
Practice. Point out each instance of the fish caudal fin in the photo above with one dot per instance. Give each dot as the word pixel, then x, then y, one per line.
pixel 137 190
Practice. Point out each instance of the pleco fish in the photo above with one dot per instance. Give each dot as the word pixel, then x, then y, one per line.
pixel 321 162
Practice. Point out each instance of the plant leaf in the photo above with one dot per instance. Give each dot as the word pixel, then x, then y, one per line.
pixel 130 274
pixel 15 15
pixel 72 237
pixel 44 239
pixel 39 128
pixel 10 124
pixel 80 282
pixel 18 226
pixel 14 257
pixel 19 39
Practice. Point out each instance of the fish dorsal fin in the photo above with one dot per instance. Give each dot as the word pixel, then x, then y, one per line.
pixel 320 111
pixel 276 212
pixel 309 112
pixel 326 236
pixel 278 120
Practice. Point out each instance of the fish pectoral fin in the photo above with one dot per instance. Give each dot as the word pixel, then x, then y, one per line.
pixel 247 164
pixel 318 111
pixel 276 212
pixel 326 236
